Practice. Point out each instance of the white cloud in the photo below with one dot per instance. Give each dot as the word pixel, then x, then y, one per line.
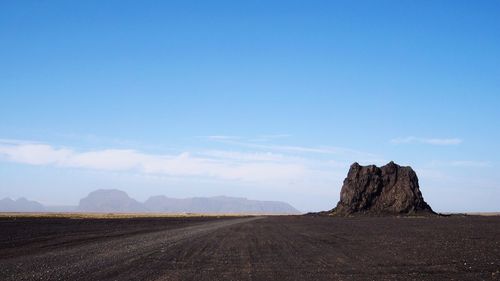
pixel 256 164
pixel 433 141
pixel 108 159
pixel 228 165
pixel 35 154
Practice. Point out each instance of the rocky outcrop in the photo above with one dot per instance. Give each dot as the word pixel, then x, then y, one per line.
pixel 390 189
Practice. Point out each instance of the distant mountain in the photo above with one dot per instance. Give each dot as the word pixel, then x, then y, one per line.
pixel 20 205
pixel 219 204
pixel 113 200
pixel 117 201
pixel 162 203
pixel 110 200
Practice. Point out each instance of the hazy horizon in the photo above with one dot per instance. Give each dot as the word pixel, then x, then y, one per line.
pixel 263 100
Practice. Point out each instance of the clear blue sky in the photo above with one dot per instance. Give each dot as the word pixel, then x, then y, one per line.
pixel 262 99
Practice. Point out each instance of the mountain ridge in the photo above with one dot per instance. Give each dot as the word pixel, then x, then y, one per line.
pixel 20 205
pixel 118 201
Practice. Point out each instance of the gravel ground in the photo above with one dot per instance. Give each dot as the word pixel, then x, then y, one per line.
pixel 251 248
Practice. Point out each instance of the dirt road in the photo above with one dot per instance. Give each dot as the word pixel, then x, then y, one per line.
pixel 255 248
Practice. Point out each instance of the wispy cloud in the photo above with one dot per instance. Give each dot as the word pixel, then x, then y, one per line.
pixel 16 141
pixel 220 137
pixel 329 150
pixel 258 138
pixel 275 136
pixel 269 138
pixel 227 165
pixel 246 156
pixel 432 141
pixel 241 161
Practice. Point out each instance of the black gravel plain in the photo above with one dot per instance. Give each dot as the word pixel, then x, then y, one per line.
pixel 251 248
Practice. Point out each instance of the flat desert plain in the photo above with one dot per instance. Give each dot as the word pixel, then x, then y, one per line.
pixel 249 248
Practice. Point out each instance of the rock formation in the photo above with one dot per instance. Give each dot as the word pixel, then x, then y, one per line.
pixel 390 189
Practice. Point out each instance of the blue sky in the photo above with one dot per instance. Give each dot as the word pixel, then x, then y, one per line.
pixel 262 99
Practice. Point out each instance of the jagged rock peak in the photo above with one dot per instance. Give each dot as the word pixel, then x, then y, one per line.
pixel 372 190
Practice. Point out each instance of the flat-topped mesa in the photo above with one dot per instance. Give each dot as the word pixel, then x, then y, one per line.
pixel 390 189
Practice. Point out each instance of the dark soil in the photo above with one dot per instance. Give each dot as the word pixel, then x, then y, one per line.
pixel 270 248
pixel 29 235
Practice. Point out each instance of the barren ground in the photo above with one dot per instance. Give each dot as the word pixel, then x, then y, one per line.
pixel 250 248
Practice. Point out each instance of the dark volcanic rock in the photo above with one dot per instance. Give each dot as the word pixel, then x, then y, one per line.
pixel 390 189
